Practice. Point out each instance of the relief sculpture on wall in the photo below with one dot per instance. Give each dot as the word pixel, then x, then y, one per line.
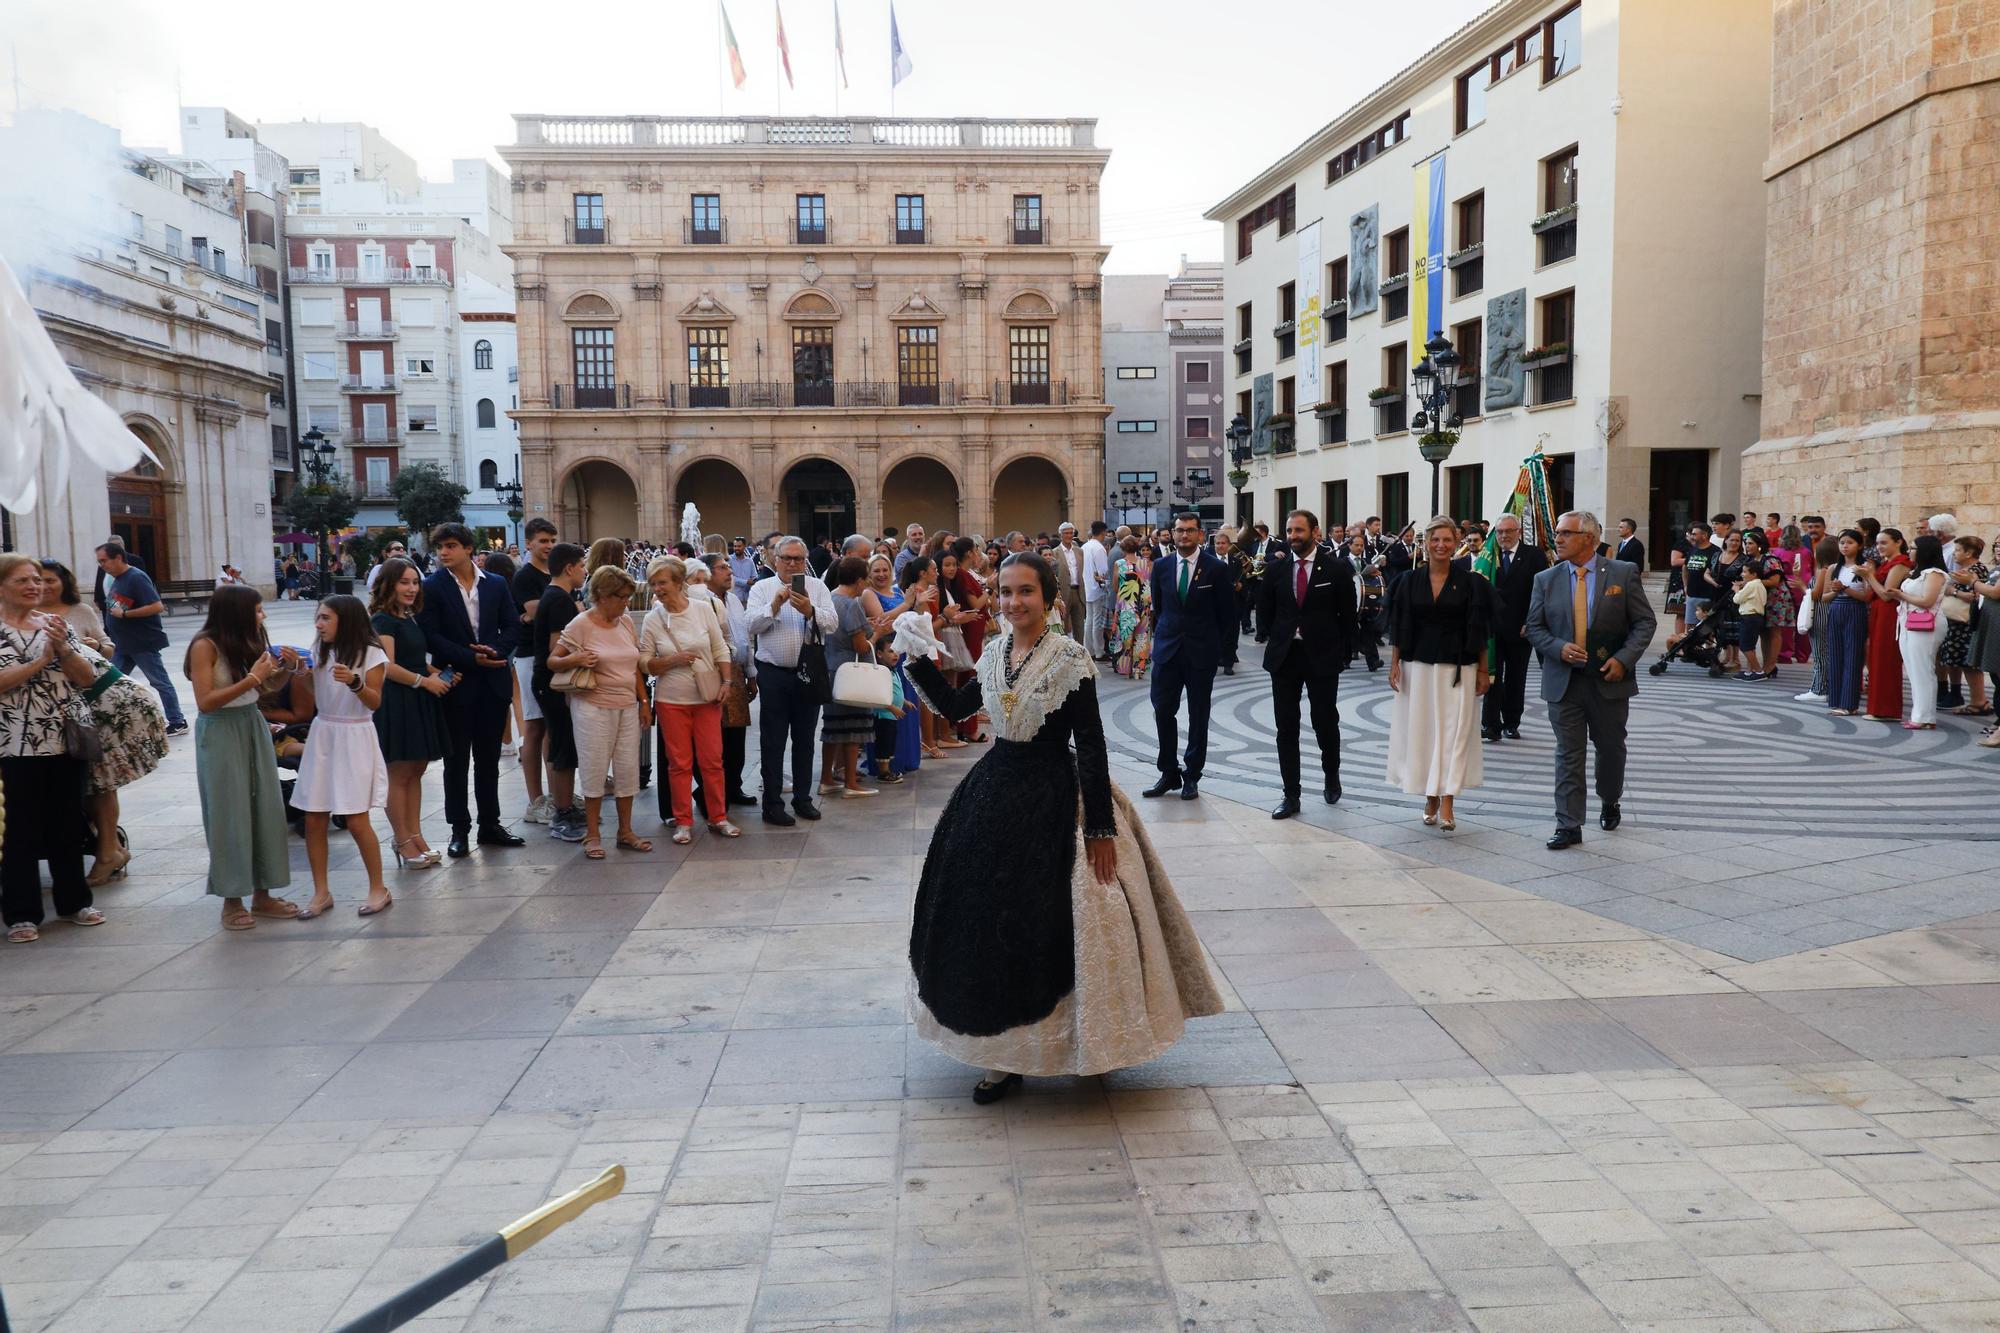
pixel 1363 241
pixel 1506 339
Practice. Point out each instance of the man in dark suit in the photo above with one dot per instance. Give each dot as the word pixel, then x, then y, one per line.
pixel 1194 614
pixel 471 624
pixel 1591 621
pixel 1630 549
pixel 1309 603
pixel 1513 589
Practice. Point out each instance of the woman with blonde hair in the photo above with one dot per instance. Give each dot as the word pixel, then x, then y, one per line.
pixel 682 643
pixel 1439 622
pixel 605 716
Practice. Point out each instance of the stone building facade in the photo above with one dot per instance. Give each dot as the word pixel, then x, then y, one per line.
pixel 816 325
pixel 1882 309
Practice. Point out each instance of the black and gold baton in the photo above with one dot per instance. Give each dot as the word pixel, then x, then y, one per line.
pixel 510 1242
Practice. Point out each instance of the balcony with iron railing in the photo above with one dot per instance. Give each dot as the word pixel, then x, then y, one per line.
pixel 1044 393
pixel 917 235
pixel 805 235
pixel 590 396
pixel 429 275
pixel 372 435
pixel 381 330
pixel 1035 235
pixel 807 133
pixel 576 232
pixel 779 395
pixel 382 383
pixel 697 232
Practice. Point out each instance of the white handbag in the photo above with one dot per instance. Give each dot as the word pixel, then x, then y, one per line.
pixel 1805 620
pixel 864 685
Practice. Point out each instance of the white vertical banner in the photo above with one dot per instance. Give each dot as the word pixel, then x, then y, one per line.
pixel 1305 309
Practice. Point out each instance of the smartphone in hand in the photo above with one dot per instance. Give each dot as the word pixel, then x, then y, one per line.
pixel 799 584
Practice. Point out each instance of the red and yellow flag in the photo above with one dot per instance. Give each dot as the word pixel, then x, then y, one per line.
pixel 784 47
pixel 736 71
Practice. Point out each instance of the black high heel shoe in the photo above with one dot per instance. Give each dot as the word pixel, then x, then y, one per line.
pixel 985 1093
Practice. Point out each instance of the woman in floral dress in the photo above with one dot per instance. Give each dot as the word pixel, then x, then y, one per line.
pixel 1133 580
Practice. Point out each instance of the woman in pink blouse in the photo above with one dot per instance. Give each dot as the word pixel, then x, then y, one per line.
pixel 1796 556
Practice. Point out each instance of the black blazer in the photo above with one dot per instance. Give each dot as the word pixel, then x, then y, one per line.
pixel 1514 590
pixel 1632 551
pixel 1193 633
pixel 450 637
pixel 1324 628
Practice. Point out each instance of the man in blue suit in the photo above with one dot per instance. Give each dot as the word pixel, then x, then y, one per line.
pixel 471 624
pixel 1194 614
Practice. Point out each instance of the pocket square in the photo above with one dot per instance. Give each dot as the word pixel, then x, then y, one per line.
pixel 1615 590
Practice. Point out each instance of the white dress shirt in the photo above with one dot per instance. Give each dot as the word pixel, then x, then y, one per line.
pixel 471 596
pixel 1072 562
pixel 1096 572
pixel 776 639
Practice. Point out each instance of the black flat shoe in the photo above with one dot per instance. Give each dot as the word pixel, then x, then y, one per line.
pixel 499 837
pixel 778 815
pixel 1162 787
pixel 1565 837
pixel 1286 808
pixel 742 798
pixel 1191 789
pixel 985 1094
pixel 460 844
pixel 805 809
pixel 1607 819
pixel 1511 733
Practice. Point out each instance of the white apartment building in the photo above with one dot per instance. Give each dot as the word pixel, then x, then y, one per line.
pixel 390 275
pixel 1582 185
pixel 137 268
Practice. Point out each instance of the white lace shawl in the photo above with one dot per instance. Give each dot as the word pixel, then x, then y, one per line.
pixel 1057 668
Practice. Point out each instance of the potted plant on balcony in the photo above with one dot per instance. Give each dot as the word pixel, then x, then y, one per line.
pixel 1277 419
pixel 1549 354
pixel 1466 255
pixel 1555 217
pixel 1395 282
pixel 1385 395
pixel 1241 345
pixel 1328 409
pixel 1289 326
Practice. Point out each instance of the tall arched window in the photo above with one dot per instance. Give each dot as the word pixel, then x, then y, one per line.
pixel 485 410
pixel 489 475
pixel 482 355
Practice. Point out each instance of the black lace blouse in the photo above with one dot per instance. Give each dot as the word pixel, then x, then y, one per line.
pixel 1075 720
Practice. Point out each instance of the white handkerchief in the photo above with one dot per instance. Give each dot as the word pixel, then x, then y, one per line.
pixel 914 636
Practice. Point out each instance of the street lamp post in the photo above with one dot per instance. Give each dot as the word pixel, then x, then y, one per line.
pixel 1238 436
pixel 320 458
pixel 1192 489
pixel 509 493
pixel 1435 380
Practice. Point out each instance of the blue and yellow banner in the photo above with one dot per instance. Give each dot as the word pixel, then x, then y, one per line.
pixel 1427 257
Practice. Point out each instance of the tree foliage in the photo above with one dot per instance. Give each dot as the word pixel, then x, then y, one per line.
pixel 426 496
pixel 322 508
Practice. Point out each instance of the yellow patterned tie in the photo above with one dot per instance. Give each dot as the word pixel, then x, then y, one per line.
pixel 1579 606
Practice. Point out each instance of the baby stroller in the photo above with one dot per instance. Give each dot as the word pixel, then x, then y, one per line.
pixel 1700 646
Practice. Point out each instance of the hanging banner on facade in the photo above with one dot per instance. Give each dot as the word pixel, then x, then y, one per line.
pixel 1306 316
pixel 1427 257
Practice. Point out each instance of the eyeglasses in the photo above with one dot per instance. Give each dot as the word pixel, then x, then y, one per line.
pixel 1569 532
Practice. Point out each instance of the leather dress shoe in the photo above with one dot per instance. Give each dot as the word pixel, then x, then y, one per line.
pixel 1565 837
pixel 499 837
pixel 778 815
pixel 805 809
pixel 1286 808
pixel 1162 787
pixel 1489 736
pixel 742 798
pixel 1191 789
pixel 1332 794
pixel 1511 733
pixel 1607 818
pixel 460 844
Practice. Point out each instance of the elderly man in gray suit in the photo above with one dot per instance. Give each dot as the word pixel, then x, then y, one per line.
pixel 1590 618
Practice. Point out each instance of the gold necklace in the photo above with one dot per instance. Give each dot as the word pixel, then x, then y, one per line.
pixel 1009 674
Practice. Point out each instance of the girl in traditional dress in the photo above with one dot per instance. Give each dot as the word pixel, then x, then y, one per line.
pixel 1047 939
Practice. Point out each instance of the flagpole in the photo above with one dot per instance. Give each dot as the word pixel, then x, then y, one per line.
pixel 720 56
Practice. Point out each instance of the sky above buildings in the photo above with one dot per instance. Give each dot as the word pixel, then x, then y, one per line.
pixel 1191 96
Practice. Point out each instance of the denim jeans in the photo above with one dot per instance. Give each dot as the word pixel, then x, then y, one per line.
pixel 156 675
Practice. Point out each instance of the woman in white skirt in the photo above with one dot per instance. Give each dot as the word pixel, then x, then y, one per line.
pixel 1439 622
pixel 342 771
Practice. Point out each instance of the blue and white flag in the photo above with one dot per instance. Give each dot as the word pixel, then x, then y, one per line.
pixel 899 59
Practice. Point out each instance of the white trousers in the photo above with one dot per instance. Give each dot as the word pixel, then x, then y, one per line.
pixel 1096 617
pixel 607 740
pixel 1920 650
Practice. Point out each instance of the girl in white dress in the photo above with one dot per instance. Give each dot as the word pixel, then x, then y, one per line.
pixel 342 772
